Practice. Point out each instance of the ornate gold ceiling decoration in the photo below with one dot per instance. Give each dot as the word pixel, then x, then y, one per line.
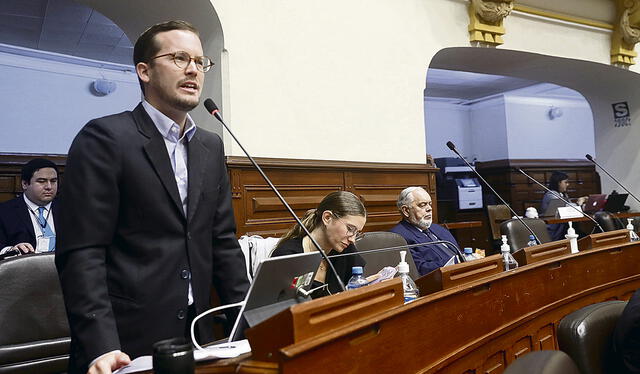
pixel 626 33
pixel 486 21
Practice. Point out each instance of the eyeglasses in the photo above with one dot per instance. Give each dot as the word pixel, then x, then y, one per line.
pixel 182 59
pixel 351 229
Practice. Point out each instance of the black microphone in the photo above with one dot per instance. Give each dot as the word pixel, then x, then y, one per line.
pixel 213 109
pixel 559 195
pixel 453 148
pixel 588 156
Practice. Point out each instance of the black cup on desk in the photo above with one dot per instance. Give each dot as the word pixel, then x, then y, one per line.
pixel 173 356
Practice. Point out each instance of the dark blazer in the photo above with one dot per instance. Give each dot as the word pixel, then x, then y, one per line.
pixel 626 338
pixel 126 250
pixel 15 223
pixel 428 257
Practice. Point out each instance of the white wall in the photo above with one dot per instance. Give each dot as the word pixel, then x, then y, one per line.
pixel 446 122
pixel 45 103
pixel 513 126
pixel 531 134
pixel 489 132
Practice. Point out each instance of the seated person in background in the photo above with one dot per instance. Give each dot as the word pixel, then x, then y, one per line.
pixel 334 224
pixel 626 338
pixel 558 184
pixel 414 204
pixel 26 222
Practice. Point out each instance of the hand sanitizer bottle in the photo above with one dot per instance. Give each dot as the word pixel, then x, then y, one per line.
pixel 573 238
pixel 510 263
pixel 633 237
pixel 411 291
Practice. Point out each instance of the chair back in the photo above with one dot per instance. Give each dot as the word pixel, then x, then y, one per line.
pixel 255 248
pixel 497 213
pixel 585 335
pixel 518 235
pixel 378 260
pixel 34 332
pixel 608 221
pixel 543 362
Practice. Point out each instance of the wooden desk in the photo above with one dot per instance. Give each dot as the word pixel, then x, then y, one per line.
pixel 624 215
pixel 477 327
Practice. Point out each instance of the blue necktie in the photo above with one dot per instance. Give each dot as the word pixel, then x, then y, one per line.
pixel 46 228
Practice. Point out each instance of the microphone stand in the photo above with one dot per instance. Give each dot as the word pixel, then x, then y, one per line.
pixel 588 156
pixel 403 247
pixel 453 148
pixel 561 198
pixel 213 109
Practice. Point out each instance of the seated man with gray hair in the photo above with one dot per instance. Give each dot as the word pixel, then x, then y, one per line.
pixel 414 204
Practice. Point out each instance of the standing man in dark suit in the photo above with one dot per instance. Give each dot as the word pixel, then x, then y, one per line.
pixel 146 225
pixel 414 204
pixel 26 222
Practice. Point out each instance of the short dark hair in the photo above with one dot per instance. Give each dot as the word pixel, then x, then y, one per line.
pixel 145 46
pixel 555 179
pixel 34 165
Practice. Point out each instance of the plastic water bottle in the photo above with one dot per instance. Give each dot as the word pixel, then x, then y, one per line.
pixel 411 291
pixel 356 280
pixel 510 263
pixel 632 234
pixel 468 254
pixel 532 241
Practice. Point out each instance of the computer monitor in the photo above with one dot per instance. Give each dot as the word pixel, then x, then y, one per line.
pixel 615 203
pixel 275 287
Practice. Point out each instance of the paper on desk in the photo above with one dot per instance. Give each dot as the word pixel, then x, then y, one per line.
pixel 141 363
pixel 224 350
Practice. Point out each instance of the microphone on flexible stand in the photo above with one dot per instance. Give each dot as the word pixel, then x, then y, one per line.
pixel 561 198
pixel 213 109
pixel 588 156
pixel 453 148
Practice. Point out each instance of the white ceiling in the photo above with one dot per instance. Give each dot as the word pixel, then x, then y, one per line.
pixel 65 27
pixel 463 87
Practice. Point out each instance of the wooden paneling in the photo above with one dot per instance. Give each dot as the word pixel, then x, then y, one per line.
pixel 304 183
pixel 520 192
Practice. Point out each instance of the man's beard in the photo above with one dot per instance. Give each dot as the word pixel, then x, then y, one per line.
pixel 184 105
pixel 423 224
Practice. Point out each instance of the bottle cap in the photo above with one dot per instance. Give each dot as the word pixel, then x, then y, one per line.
pixel 531 237
pixel 356 270
pixel 403 266
pixel 468 250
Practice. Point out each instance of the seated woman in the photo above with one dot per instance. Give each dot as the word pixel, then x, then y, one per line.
pixel 334 224
pixel 558 184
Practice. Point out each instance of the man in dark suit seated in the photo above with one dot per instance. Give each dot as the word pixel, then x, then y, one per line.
pixel 26 222
pixel 146 225
pixel 626 338
pixel 414 204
